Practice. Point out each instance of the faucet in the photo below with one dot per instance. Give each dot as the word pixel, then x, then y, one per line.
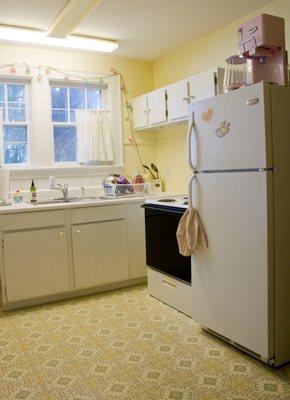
pixel 64 189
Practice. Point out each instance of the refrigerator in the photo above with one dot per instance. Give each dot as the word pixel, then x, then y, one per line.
pixel 239 155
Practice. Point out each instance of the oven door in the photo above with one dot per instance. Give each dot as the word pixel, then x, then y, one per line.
pixel 162 251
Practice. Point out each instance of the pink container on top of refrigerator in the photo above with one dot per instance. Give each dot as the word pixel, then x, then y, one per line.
pixel 262 44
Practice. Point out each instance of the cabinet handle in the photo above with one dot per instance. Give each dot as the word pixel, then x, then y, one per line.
pixel 78 231
pixel 61 233
pixel 252 102
pixel 171 284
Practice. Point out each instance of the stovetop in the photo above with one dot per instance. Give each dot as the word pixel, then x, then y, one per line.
pixel 173 202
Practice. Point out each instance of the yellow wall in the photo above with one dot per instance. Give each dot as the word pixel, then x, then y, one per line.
pixel 138 76
pixel 205 53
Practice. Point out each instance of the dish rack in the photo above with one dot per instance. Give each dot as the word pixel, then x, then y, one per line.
pixel 115 190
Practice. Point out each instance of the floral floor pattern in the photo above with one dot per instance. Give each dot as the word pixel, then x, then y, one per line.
pixel 124 345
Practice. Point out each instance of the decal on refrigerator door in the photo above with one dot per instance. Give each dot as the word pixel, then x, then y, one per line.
pixel 206 116
pixel 223 129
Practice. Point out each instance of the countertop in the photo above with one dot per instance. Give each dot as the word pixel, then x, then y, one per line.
pixel 27 207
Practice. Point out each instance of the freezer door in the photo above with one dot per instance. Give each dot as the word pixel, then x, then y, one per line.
pixel 230 278
pixel 232 130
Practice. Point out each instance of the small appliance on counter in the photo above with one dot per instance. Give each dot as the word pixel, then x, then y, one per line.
pixel 261 54
pixel 169 273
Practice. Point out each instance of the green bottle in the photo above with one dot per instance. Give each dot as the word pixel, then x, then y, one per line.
pixel 33 192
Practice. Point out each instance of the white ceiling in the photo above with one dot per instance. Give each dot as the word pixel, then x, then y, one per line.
pixel 145 29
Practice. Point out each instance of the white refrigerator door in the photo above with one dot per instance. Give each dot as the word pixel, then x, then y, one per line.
pixel 231 131
pixel 230 278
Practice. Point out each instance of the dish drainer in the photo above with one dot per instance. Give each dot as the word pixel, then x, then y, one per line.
pixel 117 190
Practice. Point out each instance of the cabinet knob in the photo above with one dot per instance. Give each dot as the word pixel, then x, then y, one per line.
pixel 149 110
pixel 144 112
pixel 185 99
pixel 191 97
pixel 61 233
pixel 78 231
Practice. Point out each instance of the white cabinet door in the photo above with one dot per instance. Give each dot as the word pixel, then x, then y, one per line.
pixel 36 263
pixel 100 253
pixel 136 238
pixel 202 86
pixel 177 100
pixel 157 107
pixel 140 114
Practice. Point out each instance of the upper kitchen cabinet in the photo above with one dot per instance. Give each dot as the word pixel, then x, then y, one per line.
pixel 205 84
pixel 140 112
pixel 150 109
pixel 157 107
pixel 169 105
pixel 177 100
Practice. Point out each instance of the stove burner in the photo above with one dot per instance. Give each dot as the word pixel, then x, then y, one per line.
pixel 185 202
pixel 185 198
pixel 167 200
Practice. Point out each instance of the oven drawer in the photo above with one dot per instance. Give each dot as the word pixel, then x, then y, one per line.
pixel 171 291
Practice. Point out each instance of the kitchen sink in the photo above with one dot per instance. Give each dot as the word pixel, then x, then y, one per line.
pixel 56 201
pixel 63 200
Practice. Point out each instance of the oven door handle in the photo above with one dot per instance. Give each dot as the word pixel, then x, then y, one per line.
pixel 168 210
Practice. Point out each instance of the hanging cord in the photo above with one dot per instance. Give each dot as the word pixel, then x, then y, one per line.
pixel 129 118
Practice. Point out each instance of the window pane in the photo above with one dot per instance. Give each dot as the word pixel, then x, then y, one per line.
pixel 94 98
pixel 59 116
pixel 2 93
pixel 2 107
pixel 77 98
pixel 65 143
pixel 15 153
pixel 15 144
pixel 15 114
pixel 15 133
pixel 16 105
pixel 59 97
pixel 16 93
pixel 72 116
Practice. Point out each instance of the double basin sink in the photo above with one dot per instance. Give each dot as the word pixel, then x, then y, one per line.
pixel 63 200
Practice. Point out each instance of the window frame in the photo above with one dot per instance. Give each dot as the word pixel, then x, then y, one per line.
pixel 27 123
pixel 74 85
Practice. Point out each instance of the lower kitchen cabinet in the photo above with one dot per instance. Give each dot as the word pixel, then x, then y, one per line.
pixel 35 262
pixel 62 253
pixel 100 253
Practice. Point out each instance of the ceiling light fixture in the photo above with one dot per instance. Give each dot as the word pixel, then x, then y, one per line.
pixel 40 38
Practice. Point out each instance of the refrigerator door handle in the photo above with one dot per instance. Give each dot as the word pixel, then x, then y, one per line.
pixel 190 203
pixel 190 136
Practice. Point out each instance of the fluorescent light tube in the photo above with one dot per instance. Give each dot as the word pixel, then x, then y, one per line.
pixel 40 38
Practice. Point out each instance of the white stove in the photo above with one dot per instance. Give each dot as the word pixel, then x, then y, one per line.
pixel 172 202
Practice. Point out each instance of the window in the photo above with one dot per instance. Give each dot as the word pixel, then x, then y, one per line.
pixel 65 100
pixel 13 102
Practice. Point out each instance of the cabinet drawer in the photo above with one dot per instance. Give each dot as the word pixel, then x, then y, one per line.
pixel 30 220
pixel 96 214
pixel 171 291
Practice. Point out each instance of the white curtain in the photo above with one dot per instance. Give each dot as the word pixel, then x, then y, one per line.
pixel 94 136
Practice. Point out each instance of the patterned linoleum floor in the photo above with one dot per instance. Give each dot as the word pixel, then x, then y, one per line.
pixel 124 345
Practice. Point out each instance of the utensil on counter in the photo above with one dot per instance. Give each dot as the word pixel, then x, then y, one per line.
pixel 155 169
pixel 148 169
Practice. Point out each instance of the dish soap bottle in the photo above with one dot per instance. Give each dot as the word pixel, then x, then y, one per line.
pixel 33 192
